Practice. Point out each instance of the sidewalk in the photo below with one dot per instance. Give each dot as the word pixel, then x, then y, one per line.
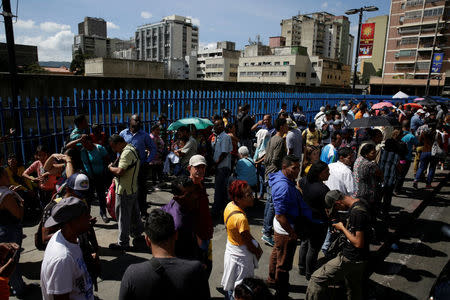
pixel 114 263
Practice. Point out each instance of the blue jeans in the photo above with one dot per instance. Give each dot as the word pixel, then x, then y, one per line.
pixel 221 189
pixel 326 243
pixel 425 160
pixel 269 213
pixel 260 171
pixel 13 234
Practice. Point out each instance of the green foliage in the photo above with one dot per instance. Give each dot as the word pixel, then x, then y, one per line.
pixel 77 64
pixel 379 73
pixel 34 69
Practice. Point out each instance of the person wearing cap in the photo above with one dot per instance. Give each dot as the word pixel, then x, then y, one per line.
pixel 222 163
pixel 417 120
pixel 346 117
pixel 63 271
pixel 350 263
pixel 203 226
pixel 294 140
pixel 126 180
pixel 286 201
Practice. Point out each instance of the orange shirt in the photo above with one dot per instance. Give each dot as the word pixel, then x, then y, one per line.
pixel 359 115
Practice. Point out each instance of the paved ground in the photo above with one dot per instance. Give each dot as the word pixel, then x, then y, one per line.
pixel 429 255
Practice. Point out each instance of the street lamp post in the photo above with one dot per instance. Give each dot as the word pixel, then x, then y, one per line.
pixel 352 12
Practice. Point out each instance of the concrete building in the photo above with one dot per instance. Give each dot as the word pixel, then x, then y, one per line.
pixel 171 39
pixel 412 25
pixel 93 27
pixel 277 41
pixel 322 33
pixel 329 72
pixel 289 65
pixel 370 66
pixel 220 64
pixel 25 55
pixel 256 49
pixel 110 67
pixel 350 47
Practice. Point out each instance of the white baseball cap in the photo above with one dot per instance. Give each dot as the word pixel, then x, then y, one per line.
pixel 420 111
pixel 79 183
pixel 345 107
pixel 197 160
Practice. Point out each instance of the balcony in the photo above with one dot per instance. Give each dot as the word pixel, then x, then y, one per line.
pixel 404 66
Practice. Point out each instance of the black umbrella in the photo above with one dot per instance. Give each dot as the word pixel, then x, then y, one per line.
pixel 370 122
pixel 426 101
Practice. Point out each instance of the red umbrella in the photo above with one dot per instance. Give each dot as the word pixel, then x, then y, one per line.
pixel 413 105
pixel 381 105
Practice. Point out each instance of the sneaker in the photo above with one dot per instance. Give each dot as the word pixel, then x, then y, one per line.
pixel 268 240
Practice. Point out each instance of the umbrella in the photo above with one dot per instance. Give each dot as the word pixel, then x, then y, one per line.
pixel 381 105
pixel 413 105
pixel 370 122
pixel 197 122
pixel 425 101
pixel 400 95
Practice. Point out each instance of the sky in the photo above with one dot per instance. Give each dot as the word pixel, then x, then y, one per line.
pixel 52 24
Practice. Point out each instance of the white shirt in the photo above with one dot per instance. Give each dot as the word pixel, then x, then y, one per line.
pixel 223 144
pixel 278 228
pixel 341 178
pixel 63 271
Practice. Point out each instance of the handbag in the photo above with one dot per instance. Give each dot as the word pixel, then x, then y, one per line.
pixel 111 200
pixel 435 149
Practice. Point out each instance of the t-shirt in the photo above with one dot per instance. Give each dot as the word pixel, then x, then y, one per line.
pixel 329 154
pixel 96 157
pixel 38 168
pixel 275 151
pixel 341 178
pixel 246 170
pixel 129 161
pixel 312 138
pixel 64 271
pixel 410 141
pixel 236 224
pixel 221 145
pixel 189 150
pixel 314 195
pixel 294 141
pixel 183 279
pixel 359 220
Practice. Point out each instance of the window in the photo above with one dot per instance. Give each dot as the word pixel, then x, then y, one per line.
pixel 285 63
pixel 233 74
pixel 314 64
pixel 413 15
pixel 405 53
pixel 243 74
pixel 422 65
pixel 433 12
pixel 277 63
pixel 410 29
pixel 300 74
pixel 313 75
pixel 414 2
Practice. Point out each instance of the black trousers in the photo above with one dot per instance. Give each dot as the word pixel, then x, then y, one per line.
pixel 142 188
pixel 309 249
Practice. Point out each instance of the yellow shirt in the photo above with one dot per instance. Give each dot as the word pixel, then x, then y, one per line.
pixel 236 225
pixel 312 138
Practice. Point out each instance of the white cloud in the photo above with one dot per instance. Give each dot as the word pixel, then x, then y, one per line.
pixel 146 15
pixel 24 24
pixel 203 45
pixel 324 5
pixel 53 27
pixel 2 37
pixel 54 47
pixel 111 25
pixel 195 21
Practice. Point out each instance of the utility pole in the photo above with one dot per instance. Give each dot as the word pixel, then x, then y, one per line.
pixel 427 89
pixel 7 15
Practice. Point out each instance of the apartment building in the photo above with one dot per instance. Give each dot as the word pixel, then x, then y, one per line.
pixel 329 72
pixel 370 66
pixel 288 65
pixel 322 33
pixel 219 64
pixel 171 39
pixel 412 27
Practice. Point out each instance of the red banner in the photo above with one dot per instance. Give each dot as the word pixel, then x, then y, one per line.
pixel 366 41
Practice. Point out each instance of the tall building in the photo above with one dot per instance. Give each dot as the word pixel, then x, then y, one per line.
pixel 412 26
pixel 322 33
pixel 170 40
pixel 220 64
pixel 93 27
pixel 370 66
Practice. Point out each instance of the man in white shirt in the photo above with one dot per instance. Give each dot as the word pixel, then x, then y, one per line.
pixel 341 177
pixel 222 161
pixel 346 117
pixel 64 274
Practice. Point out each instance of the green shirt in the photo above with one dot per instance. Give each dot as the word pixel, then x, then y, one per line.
pixel 129 161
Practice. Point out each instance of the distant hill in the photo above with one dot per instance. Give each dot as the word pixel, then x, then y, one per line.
pixel 54 64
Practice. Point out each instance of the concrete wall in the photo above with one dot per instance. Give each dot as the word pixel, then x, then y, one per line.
pixel 44 85
pixel 123 68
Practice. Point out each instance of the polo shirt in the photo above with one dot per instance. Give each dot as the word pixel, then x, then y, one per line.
pixel 141 141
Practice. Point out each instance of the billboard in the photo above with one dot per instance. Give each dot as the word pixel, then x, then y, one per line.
pixel 366 40
pixel 436 66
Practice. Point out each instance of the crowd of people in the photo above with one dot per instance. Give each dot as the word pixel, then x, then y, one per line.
pixel 326 185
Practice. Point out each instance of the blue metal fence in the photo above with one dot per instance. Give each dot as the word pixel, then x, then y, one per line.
pixel 49 120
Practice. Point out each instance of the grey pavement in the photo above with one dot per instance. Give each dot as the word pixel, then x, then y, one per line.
pixel 115 263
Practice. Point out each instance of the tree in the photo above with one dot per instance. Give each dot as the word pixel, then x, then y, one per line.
pixel 34 69
pixel 379 73
pixel 77 64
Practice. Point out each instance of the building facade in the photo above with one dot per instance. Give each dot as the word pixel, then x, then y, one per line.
pixel 220 64
pixel 412 27
pixel 171 39
pixel 329 72
pixel 323 34
pixel 93 27
pixel 370 66
pixel 110 67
